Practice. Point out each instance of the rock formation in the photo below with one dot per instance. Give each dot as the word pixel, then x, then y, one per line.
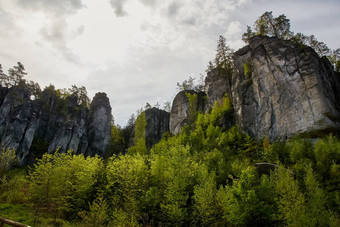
pixel 17 120
pixel 280 89
pixel 217 84
pixel 157 123
pixel 58 123
pixel 180 111
pixel 99 131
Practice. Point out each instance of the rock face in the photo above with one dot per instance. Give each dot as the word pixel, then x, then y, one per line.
pixel 280 90
pixel 99 129
pixel 17 120
pixel 180 111
pixel 68 127
pixel 157 123
pixel 217 84
pixel 57 123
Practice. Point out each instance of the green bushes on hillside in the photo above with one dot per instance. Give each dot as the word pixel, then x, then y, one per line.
pixel 205 176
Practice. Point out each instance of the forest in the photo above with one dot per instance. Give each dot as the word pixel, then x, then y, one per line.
pixel 206 175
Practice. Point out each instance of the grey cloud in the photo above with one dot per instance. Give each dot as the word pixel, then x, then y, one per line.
pixel 173 9
pixel 118 6
pixel 80 30
pixel 56 36
pixel 55 7
pixel 150 3
pixel 190 21
pixel 7 27
pixel 58 11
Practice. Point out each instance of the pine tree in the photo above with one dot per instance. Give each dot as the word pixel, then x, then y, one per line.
pixel 248 34
pixel 223 58
pixel 16 74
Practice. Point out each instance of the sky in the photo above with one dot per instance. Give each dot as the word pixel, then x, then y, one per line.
pixel 137 50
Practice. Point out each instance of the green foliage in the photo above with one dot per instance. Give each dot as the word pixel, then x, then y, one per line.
pixel 34 88
pixel 193 106
pixel 204 176
pixel 248 71
pixel 190 84
pixel 223 58
pixel 205 201
pixel 15 76
pixel 326 151
pixel 291 202
pixel 97 215
pixel 13 187
pixel 266 24
pixel 173 174
pixel 117 145
pixel 62 183
pixel 128 178
pixel 248 34
pixel 81 94
pixel 245 203
pixel 7 158
pixel 17 212
pixel 39 146
pixel 139 139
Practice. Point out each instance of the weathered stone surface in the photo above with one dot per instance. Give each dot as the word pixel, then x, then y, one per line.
pixel 291 90
pixel 180 111
pixel 71 129
pixel 17 121
pixel 99 131
pixel 57 123
pixel 217 84
pixel 157 123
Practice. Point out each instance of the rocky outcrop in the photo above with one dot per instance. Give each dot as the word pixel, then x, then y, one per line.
pixel 217 84
pixel 52 122
pixel 157 123
pixel 71 126
pixel 181 113
pixel 17 120
pixel 99 129
pixel 283 89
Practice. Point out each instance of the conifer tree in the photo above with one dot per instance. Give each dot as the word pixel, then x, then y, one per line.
pixel 223 58
pixel 16 74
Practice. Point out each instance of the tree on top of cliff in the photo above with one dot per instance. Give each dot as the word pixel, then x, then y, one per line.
pixel 271 26
pixel 186 84
pixel 190 84
pixel 279 26
pixel 14 77
pixel 223 56
pixel 81 94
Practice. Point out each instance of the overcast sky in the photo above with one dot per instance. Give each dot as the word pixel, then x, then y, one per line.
pixel 137 50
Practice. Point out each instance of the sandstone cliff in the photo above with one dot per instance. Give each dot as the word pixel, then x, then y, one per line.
pixel 280 89
pixel 99 133
pixel 59 123
pixel 180 111
pixel 157 123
